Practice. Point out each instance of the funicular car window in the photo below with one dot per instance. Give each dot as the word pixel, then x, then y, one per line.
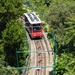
pixel 27 22
pixel 36 27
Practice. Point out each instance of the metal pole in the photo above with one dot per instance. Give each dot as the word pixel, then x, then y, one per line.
pixel 53 37
pixel 54 40
pixel 6 68
pixel 17 60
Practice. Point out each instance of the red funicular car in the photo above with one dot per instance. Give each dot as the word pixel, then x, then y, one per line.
pixel 33 25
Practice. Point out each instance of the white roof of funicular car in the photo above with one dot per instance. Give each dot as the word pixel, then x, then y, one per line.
pixel 32 18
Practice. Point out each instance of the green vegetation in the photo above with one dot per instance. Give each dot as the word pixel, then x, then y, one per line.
pixel 2 68
pixel 12 34
pixel 60 17
pixel 9 10
pixel 12 39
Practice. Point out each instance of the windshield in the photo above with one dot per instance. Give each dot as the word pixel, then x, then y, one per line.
pixel 36 27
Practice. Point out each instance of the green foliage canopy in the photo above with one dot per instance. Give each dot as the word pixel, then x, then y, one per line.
pixel 9 10
pixel 12 38
pixel 60 12
pixel 2 68
pixel 65 64
pixel 11 31
pixel 61 18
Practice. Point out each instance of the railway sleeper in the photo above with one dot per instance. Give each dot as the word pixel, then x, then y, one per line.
pixel 40 60
pixel 39 54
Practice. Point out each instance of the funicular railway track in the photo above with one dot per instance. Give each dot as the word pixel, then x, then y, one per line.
pixel 41 58
pixel 38 58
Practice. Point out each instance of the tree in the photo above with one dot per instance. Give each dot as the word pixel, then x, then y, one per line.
pixel 60 17
pixel 59 12
pixel 9 10
pixel 11 31
pixel 2 68
pixel 2 57
pixel 70 34
pixel 12 39
pixel 65 64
